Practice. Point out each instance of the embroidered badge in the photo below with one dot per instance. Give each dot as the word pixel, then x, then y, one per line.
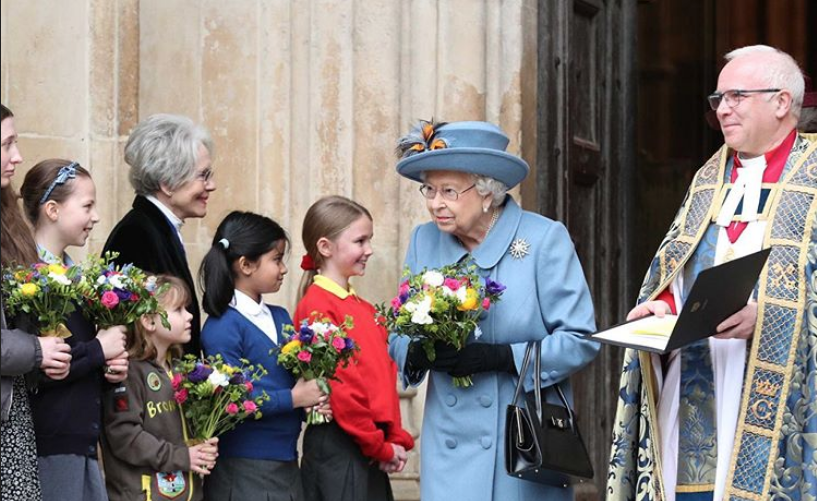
pixel 154 382
pixel 170 483
pixel 120 399
pixel 519 248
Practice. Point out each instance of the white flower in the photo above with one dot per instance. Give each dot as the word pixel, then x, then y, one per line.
pixel 477 332
pixel 150 283
pixel 218 379
pixel 462 294
pixel 101 280
pixel 60 279
pixel 433 278
pixel 321 328
pixel 420 311
pixel 116 281
pixel 447 292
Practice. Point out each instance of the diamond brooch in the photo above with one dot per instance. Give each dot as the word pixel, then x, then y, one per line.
pixel 519 248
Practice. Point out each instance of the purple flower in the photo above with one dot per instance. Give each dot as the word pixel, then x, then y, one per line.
pixel 123 294
pixel 350 344
pixel 306 334
pixel 238 378
pixel 493 288
pixel 199 373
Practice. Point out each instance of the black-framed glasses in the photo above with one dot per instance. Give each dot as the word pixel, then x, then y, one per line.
pixel 449 194
pixel 205 175
pixel 733 97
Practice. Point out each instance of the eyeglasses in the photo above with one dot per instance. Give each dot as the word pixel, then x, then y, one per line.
pixel 733 97
pixel 449 194
pixel 205 175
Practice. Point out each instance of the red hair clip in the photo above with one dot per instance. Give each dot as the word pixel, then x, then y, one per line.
pixel 307 263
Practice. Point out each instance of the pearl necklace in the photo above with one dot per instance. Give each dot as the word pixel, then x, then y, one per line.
pixel 494 218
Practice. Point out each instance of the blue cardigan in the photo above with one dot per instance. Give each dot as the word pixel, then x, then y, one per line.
pixel 275 435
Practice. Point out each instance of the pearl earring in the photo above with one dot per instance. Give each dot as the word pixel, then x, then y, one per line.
pixel 485 210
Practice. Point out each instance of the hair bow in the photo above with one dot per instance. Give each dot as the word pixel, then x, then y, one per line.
pixel 65 173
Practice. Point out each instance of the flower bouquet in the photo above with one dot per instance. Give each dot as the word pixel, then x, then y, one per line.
pixel 117 295
pixel 215 396
pixel 48 292
pixel 440 305
pixel 315 351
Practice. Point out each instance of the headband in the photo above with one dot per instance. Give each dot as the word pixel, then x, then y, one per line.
pixel 66 172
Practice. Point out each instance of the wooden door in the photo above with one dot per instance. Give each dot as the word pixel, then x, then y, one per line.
pixel 584 170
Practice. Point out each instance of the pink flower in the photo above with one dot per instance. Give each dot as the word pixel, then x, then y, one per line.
pixel 181 396
pixel 249 406
pixel 176 382
pixel 232 408
pixel 404 288
pixel 452 283
pixel 486 304
pixel 396 303
pixel 109 299
pixel 248 385
pixel 339 343
pixel 304 356
pixel 316 339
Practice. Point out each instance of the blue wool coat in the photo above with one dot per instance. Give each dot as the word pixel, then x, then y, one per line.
pixel 462 443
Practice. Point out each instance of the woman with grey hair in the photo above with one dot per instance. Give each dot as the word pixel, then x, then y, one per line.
pixel 170 171
pixel 465 174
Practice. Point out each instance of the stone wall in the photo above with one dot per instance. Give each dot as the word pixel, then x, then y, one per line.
pixel 303 98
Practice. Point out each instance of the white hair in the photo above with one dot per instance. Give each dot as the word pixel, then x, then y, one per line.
pixel 486 185
pixel 780 71
pixel 163 150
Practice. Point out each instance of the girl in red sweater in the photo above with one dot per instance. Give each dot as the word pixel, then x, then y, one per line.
pixel 350 458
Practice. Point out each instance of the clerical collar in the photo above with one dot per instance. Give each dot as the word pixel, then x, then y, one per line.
pixel 775 156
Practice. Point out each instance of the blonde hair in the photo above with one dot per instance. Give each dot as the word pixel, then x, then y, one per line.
pixel 326 218
pixel 140 342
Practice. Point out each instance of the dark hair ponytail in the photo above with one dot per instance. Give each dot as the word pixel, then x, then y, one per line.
pixel 239 234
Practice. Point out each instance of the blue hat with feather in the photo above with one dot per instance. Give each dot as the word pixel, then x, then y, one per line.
pixel 472 147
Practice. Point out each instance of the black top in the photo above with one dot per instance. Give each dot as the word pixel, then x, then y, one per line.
pixel 146 238
pixel 68 413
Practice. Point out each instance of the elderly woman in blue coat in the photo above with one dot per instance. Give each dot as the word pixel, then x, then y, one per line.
pixel 465 174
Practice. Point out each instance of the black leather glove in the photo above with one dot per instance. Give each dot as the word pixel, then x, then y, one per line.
pixel 481 357
pixel 417 359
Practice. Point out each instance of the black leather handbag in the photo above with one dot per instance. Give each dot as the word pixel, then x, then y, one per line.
pixel 542 440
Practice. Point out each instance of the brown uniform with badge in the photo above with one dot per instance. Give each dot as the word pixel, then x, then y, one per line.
pixel 143 445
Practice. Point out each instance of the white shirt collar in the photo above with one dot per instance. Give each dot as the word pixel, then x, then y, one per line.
pixel 247 305
pixel 174 220
pixel 257 313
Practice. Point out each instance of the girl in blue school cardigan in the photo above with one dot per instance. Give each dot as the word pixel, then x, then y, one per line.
pixel 258 460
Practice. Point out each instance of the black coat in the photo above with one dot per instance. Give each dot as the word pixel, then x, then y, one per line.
pixel 146 238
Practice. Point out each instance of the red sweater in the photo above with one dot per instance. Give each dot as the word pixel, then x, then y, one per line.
pixel 364 402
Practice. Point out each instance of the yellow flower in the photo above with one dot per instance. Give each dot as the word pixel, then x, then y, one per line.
pixel 470 302
pixel 227 369
pixel 29 289
pixel 57 269
pixel 290 346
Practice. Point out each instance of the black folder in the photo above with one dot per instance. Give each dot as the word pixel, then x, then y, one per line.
pixel 718 293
